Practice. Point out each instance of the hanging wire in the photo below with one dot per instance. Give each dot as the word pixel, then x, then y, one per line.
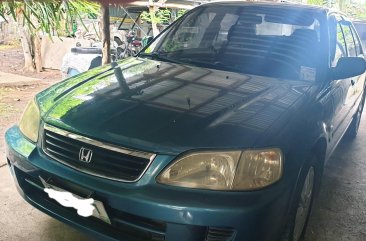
pixel 135 23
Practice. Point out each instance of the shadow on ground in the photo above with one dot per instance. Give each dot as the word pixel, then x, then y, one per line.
pixel 339 213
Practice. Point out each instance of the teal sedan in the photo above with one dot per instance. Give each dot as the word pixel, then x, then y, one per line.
pixel 218 130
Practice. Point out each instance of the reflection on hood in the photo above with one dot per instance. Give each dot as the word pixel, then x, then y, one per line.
pixel 173 106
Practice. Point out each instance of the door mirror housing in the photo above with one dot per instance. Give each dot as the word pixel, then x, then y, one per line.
pixel 348 67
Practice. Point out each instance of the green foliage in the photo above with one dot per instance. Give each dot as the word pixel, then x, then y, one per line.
pixel 78 9
pixel 48 16
pixel 172 46
pixel 181 12
pixel 318 2
pixel 353 9
pixel 356 10
pixel 2 12
pixel 163 16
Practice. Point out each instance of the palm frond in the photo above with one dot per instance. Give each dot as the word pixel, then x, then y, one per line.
pixel 48 16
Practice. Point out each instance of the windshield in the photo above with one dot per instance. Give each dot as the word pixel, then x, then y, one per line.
pixel 260 40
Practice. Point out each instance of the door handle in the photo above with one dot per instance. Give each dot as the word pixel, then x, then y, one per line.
pixel 353 82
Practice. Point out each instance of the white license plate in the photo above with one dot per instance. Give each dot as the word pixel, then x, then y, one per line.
pixel 85 207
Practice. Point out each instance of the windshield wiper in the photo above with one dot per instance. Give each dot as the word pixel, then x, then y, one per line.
pixel 157 56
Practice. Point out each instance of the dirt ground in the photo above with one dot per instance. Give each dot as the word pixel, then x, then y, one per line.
pixel 13 100
pixel 339 213
pixel 12 61
pixel 14 97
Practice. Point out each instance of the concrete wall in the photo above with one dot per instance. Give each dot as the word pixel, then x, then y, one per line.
pixel 53 51
pixel 8 31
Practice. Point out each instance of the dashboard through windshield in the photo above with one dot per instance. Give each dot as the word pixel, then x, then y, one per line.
pixel 258 40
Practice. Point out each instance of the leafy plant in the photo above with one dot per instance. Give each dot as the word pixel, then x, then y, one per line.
pixel 318 2
pixel 162 16
pixel 48 16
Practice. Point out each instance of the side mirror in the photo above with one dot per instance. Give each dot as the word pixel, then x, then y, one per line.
pixel 348 67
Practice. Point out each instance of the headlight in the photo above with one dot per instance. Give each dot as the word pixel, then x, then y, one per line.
pixel 29 123
pixel 231 170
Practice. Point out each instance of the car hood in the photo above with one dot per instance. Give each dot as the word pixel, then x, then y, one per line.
pixel 170 108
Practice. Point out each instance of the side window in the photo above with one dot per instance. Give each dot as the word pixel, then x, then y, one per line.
pixel 350 43
pixel 357 41
pixel 340 45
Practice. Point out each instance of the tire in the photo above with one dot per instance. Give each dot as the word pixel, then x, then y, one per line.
pixel 303 201
pixel 119 53
pixel 118 41
pixel 352 130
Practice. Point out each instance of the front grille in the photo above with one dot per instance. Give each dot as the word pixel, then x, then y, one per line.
pixel 220 234
pixel 107 161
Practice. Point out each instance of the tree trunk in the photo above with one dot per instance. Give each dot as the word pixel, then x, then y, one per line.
pixel 106 37
pixel 25 39
pixel 152 12
pixel 341 5
pixel 153 7
pixel 37 53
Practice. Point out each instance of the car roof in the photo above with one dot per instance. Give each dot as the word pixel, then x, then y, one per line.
pixel 286 5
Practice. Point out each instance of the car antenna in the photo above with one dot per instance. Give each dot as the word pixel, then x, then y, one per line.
pixel 120 78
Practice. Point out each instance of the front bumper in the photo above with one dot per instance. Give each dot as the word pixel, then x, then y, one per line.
pixel 146 210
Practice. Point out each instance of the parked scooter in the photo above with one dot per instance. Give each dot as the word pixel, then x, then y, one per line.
pixel 132 47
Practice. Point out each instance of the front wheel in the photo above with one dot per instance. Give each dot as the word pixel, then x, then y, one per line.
pixel 304 205
pixel 295 228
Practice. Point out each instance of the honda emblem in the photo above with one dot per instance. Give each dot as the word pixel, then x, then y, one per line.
pixel 85 155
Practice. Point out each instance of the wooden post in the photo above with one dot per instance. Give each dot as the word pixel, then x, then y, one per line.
pixel 106 37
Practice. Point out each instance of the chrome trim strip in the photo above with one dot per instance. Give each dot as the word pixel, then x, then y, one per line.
pixel 100 144
pixel 135 153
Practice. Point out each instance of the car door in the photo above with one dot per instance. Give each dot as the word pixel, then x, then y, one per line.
pixel 358 82
pixel 341 91
pixel 352 51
